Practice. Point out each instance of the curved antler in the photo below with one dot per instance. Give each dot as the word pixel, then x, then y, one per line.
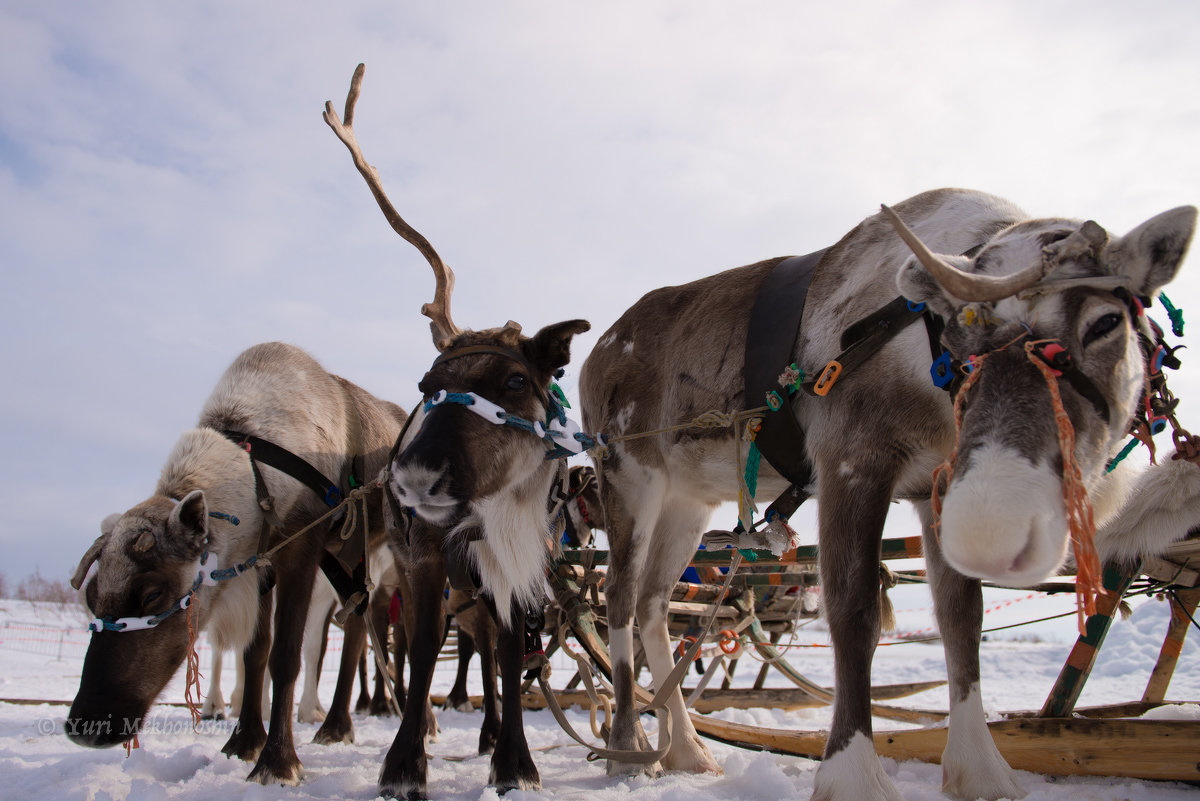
pixel 438 311
pixel 972 287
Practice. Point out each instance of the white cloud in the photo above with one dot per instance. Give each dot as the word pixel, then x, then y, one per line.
pixel 169 194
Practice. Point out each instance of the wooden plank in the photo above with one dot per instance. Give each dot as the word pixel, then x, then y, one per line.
pixel 1074 673
pixel 1171 572
pixel 1142 749
pixel 1183 607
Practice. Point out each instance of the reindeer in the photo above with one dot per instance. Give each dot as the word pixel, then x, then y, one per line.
pixel 1013 293
pixel 473 497
pixel 1021 293
pixel 583 513
pixel 206 509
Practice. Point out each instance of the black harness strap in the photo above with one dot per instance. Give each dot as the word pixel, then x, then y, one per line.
pixel 778 307
pixel 285 461
pixel 346 579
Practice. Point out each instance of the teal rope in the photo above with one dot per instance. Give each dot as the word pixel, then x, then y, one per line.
pixel 753 457
pixel 1175 314
pixel 1116 460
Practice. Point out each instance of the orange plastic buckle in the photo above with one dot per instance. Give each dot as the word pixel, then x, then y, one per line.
pixel 828 378
pixel 729 642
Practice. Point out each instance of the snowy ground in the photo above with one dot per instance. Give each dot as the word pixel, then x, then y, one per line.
pixel 41 649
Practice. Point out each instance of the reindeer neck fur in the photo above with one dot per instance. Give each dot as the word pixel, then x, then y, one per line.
pixel 511 556
pixel 205 460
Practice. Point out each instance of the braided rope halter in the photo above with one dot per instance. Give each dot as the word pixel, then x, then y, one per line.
pixel 1081 521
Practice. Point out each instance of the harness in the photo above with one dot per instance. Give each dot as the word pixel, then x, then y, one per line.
pixel 206 576
pixel 771 338
pixel 562 436
pixel 348 583
pixel 346 571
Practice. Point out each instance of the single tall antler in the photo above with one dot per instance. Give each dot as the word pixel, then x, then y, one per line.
pixel 438 311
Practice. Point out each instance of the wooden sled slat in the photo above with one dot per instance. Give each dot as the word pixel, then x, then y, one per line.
pixel 1162 750
pixel 713 699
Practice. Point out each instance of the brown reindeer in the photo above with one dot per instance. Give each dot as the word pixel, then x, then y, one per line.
pixel 518 371
pixel 146 561
pixel 1028 291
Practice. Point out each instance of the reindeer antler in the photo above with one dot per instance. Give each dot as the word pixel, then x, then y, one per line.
pixel 442 326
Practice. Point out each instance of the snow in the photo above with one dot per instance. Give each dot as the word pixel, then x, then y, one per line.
pixel 42 646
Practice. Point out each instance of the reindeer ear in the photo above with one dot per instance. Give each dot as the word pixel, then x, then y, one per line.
pixel 550 348
pixel 1151 253
pixel 916 284
pixel 109 524
pixel 187 528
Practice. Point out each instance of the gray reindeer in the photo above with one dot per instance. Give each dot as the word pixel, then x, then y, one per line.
pixel 144 565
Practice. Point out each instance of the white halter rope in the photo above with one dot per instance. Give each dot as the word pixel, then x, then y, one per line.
pixel 562 435
pixel 207 575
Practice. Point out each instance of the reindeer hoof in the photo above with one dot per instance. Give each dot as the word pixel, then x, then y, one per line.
pixel 287 773
pixel 487 740
pixel 404 790
pixel 524 778
pixel 616 769
pixel 691 756
pixel 311 715
pixel 380 710
pixel 333 731
pixel 245 746
pixel 634 740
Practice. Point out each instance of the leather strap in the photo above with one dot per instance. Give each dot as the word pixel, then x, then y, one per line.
pixel 778 308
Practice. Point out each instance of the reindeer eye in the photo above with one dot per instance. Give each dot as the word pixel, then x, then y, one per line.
pixel 1101 327
pixel 151 597
pixel 515 383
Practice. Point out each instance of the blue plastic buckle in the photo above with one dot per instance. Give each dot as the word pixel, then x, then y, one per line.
pixel 942 371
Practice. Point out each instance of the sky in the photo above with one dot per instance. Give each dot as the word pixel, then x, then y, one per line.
pixel 169 194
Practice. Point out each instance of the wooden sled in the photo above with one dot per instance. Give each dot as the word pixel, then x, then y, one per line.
pixel 1058 740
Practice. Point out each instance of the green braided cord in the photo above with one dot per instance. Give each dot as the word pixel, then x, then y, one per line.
pixel 753 457
pixel 1116 460
pixel 558 393
pixel 1175 314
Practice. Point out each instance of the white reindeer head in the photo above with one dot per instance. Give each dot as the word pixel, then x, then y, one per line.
pixel 1072 295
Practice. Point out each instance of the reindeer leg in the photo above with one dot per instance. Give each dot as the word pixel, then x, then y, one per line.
pixel 248 735
pixel 364 695
pixel 621 594
pixel 214 702
pixel 458 698
pixel 399 654
pixel 404 768
pixel 853 505
pixel 278 762
pixel 486 636
pixel 512 764
pixel 972 766
pixel 338 727
pixel 675 541
pixel 316 632
pixel 380 706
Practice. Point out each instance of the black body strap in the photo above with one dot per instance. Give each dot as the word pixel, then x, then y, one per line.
pixel 778 307
pixel 285 461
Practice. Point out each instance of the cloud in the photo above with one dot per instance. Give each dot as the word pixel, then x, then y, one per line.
pixel 170 196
